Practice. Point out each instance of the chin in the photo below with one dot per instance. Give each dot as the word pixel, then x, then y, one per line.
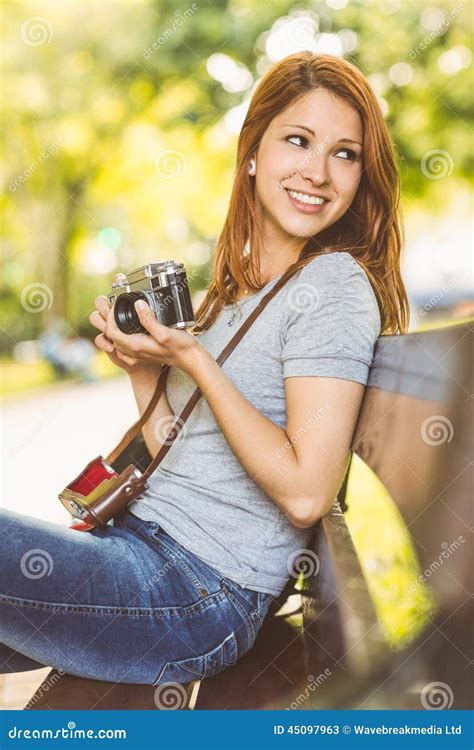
pixel 303 230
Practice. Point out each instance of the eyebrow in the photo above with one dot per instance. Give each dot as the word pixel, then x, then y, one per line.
pixel 341 140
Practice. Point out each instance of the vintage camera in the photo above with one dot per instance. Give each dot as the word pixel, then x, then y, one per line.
pixel 164 286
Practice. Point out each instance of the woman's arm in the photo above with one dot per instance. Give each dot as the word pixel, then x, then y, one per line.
pixel 301 468
pixel 159 424
pixel 143 377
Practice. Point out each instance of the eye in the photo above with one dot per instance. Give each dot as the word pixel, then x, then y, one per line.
pixel 352 156
pixel 298 137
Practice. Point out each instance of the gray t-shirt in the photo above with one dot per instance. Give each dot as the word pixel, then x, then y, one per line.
pixel 324 321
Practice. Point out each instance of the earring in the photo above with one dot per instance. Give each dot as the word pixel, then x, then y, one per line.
pixel 252 167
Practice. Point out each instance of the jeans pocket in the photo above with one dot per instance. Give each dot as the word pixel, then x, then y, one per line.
pixel 199 667
pixel 184 561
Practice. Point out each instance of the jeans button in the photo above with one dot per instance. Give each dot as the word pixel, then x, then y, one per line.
pixel 203 592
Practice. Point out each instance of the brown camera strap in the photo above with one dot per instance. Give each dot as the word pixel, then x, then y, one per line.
pixel 135 429
pixel 180 421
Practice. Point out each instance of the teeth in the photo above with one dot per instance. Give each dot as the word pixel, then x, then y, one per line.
pixel 306 198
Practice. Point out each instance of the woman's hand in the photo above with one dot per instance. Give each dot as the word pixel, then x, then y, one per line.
pixel 131 352
pixel 98 318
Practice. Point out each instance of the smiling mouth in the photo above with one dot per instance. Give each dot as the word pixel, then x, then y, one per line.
pixel 305 198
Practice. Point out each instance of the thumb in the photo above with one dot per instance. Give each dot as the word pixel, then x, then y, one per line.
pixel 148 320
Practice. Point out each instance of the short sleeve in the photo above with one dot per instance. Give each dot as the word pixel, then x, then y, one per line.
pixel 331 321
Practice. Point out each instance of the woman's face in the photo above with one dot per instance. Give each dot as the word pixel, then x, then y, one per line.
pixel 302 151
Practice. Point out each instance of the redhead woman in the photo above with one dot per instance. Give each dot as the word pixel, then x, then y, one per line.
pixel 177 587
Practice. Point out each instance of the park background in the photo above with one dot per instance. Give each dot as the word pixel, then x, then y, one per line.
pixel 120 128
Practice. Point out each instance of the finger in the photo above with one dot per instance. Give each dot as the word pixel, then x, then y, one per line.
pixel 128 342
pixel 97 320
pixel 102 305
pixel 149 322
pixel 125 358
pixel 103 343
pixel 119 276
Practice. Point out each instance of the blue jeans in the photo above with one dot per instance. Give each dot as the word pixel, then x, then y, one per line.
pixel 124 604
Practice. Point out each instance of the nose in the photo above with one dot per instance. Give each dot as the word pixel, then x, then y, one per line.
pixel 315 168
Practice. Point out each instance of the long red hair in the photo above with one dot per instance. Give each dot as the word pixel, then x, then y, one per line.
pixel 371 230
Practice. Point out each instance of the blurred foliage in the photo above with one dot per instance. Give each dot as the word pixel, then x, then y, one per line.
pixel 118 151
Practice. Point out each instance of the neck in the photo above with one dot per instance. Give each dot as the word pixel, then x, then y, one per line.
pixel 275 257
pixel 277 249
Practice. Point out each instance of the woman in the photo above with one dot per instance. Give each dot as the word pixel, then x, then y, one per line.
pixel 178 587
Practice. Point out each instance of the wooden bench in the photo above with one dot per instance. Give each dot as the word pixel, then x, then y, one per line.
pixel 321 644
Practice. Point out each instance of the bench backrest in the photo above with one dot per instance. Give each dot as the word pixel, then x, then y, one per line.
pixel 414 432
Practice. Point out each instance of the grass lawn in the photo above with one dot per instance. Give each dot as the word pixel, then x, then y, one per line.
pixel 20 377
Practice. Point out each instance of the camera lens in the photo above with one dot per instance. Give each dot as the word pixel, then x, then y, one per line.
pixel 125 314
